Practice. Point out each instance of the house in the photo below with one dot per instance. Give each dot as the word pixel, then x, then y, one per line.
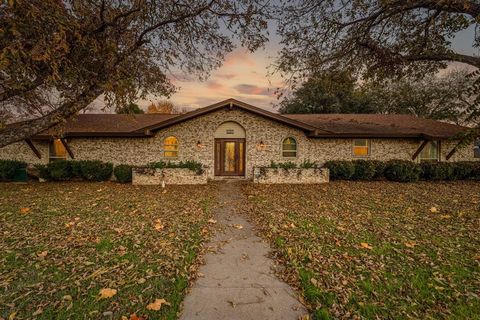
pixel 231 138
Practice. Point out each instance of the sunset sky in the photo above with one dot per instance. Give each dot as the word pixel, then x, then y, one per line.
pixel 247 76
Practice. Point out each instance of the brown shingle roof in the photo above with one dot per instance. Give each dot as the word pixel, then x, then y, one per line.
pixel 378 125
pixel 108 124
pixel 315 125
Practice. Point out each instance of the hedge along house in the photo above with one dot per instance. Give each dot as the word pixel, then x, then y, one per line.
pixel 230 138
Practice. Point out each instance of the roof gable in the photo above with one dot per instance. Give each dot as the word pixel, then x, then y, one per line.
pixel 232 103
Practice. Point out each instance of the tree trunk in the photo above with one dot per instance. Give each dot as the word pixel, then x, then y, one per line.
pixel 26 129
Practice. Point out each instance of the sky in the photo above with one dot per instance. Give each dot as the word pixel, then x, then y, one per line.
pixel 248 77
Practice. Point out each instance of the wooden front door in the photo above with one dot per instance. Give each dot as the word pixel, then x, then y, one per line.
pixel 229 157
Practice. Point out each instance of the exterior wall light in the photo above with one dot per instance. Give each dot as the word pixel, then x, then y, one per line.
pixel 261 146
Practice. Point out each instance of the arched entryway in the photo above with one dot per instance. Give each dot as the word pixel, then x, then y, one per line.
pixel 230 149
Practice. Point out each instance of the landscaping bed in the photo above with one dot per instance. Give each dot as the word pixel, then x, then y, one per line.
pixel 62 243
pixel 167 176
pixel 376 250
pixel 292 176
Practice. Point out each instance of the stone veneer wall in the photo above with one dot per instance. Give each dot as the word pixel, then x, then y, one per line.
pixel 21 151
pixel 141 151
pixel 304 176
pixel 149 176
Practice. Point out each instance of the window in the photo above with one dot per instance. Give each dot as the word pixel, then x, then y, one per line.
pixel 170 147
pixel 289 147
pixel 57 150
pixel 361 147
pixel 430 151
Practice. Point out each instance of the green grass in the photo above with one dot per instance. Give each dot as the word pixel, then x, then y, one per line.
pixel 418 264
pixel 98 235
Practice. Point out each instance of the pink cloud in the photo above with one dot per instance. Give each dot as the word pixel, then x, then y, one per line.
pixel 214 85
pixel 252 90
pixel 239 57
pixel 226 76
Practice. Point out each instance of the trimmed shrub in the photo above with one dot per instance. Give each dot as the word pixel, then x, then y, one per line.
pixel 189 164
pixel 364 170
pixel 60 170
pixel 8 168
pixel 462 170
pixel 434 170
pixel 476 171
pixel 43 171
pixel 123 173
pixel 283 165
pixel 76 168
pixel 379 169
pixel 402 171
pixel 307 164
pixel 94 170
pixel 340 170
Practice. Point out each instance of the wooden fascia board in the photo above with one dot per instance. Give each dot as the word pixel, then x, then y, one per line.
pixel 34 149
pixel 422 146
pixel 67 147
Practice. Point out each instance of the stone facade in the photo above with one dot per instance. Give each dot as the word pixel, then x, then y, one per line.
pixel 277 176
pixel 168 176
pixel 196 142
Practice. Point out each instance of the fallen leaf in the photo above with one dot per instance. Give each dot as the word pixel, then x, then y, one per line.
pixel 157 304
pixel 238 226
pixel 67 297
pixel 42 254
pixel 24 210
pixel 410 244
pixel 213 221
pixel 107 293
pixel 366 245
pixel 314 281
pixel 433 210
pixel 38 312
pixel 69 224
pixel 159 225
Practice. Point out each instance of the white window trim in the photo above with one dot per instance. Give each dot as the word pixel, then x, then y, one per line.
pixel 369 148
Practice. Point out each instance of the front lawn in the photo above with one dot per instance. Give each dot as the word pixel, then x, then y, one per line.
pixel 62 243
pixel 376 250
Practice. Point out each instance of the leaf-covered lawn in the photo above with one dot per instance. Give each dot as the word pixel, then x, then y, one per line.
pixel 98 250
pixel 377 250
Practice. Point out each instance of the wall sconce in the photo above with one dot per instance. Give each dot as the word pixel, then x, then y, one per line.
pixel 261 146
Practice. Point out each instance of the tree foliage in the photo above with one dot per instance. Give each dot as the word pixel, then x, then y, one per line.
pixel 445 97
pixel 57 56
pixel 131 108
pixel 164 106
pixel 381 38
pixel 439 97
pixel 329 93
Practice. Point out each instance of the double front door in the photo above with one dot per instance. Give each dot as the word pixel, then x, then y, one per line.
pixel 229 157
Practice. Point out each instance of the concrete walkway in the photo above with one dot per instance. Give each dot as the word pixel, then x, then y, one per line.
pixel 237 281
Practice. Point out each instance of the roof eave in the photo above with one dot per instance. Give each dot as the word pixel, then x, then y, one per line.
pixel 95 134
